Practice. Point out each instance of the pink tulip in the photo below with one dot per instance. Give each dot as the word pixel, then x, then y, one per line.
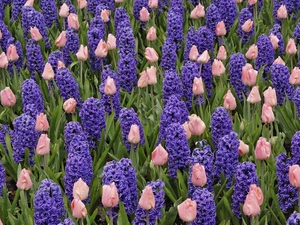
pixel 12 54
pixel 41 123
pixel 70 105
pixel 24 182
pixel 262 149
pixel 134 134
pixel 82 53
pixel 218 68
pixel 247 26
pixel 222 54
pixel 243 148
pixel 198 12
pixel 229 101
pixel 267 115
pixel 291 48
pixel 73 21
pixel 274 40
pixel 252 52
pixel 64 11
pixel 239 1
pixel 102 49
pixel 220 29
pixel 153 4
pixel 151 34
pixel 1 222
pixel 48 73
pixel 105 15
pixel 203 58
pixel 61 40
pixel 294 77
pixel 60 64
pixel 196 125
pixel 159 156
pixel 144 15
pixel 151 55
pixel 249 75
pixel 282 12
pixel 1 35
pixel 82 4
pixel 294 175
pixel 110 86
pixel 119 1
pixel 187 210
pixel 8 99
pixel 251 206
pixel 198 175
pixel 3 61
pixel 193 55
pixel 110 196
pixel 252 2
pixel 270 96
pixel 254 96
pixel 279 61
pixel 29 3
pixel 111 42
pixel 143 80
pixel 198 87
pixel 186 128
pixel 35 34
pixel 80 190
pixel 151 72
pixel 258 193
pixel 147 200
pixel 78 209
pixel 43 145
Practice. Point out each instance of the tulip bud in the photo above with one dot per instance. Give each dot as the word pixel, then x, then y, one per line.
pixel 229 101
pixel 73 21
pixel 144 15
pixel 82 53
pixel 102 49
pixel 110 86
pixel 159 156
pixel 198 175
pixel 254 96
pixel 267 115
pixel 294 175
pixel 48 73
pixel 220 29
pixel 198 87
pixel 64 11
pixel 198 12
pixel 80 190
pixel 43 145
pixel 134 134
pixel 24 182
pixel 151 34
pixel 218 68
pixel 203 58
pixel 196 125
pixel 193 55
pixel 111 42
pixel 78 208
pixel 187 210
pixel 41 122
pixel 222 54
pixel 110 197
pixel 151 55
pixel 262 149
pixel 8 99
pixel 243 148
pixel 147 200
pixel 70 105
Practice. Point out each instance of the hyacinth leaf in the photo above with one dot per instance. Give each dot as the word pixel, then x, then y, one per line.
pixel 170 216
pixel 122 216
pixel 182 180
pixel 8 162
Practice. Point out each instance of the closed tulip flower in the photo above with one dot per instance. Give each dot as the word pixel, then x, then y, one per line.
pixel 153 4
pixel 267 115
pixel 262 149
pixel 143 80
pixel 254 96
pixel 29 3
pixel 294 77
pixel 48 73
pixel 251 206
pixel 229 101
pixel 159 156
pixel 220 29
pixel 196 125
pixel 247 26
pixel 110 86
pixel 3 61
pixel 73 21
pixel 111 42
pixel 70 105
pixel 43 145
pixel 193 55
pixel 151 34
pixel 144 15
pixel 60 64
pixel 203 58
pixel 12 54
pixel 258 193
pixel 274 40
pixel 198 87
pixel 291 48
pixel 35 34
pixel 151 55
pixel 270 96
pixel 282 12
pixel 105 15
pixel 147 200
pixel 8 99
pixel 64 11
pixel 102 49
pixel 24 182
pixel 252 2
pixel 78 209
pixel 222 54
pixel 41 122
pixel 82 53
pixel 61 40
pixel 279 61
pixel 82 4
pixel 294 175
pixel 134 134
pixel 187 210
pixel 187 130
pixel 80 190
pixel 198 175
pixel 252 52
pixel 198 12
pixel 110 197
pixel 243 148
pixel 218 68
pixel 249 75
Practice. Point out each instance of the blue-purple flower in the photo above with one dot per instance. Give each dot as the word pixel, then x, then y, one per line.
pixel 171 86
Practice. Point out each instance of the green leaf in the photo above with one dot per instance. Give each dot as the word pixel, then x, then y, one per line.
pixel 122 216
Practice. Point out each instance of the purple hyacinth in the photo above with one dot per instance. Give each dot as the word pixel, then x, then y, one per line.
pixel 32 98
pixel 121 17
pixel 280 79
pixel 92 117
pixel 35 60
pixel 93 5
pixel 276 5
pixel 206 207
pixel 6 35
pixel 228 12
pixel 48 204
pixel 171 86
pixel 205 39
pixel 294 219
pixel 227 157
pixel 177 6
pixel 265 54
pixel 169 56
pixel 287 194
pixel 126 41
pixel 190 40
pixel 175 26
pixel 124 176
pixel 295 146
pixel 260 5
pixel 68 86
pixel 212 17
pixel 53 59
pixel 127 75
pixel 129 117
pixel 110 101
pixel 71 130
pixel 49 11
pixel 3 132
pixel 245 176
pixel 204 156
pixel 175 111
pixel 177 147
pixel 2 179
pixel 155 213
pixel 245 15
pixel 276 30
pixel 72 45
pixel 24 136
pixel 78 165
pixel 19 63
pixel 207 77
pixel 67 221
pixel 237 62
pixel 220 124
pixel 17 8
pixel 296 100
pixel 189 71
pixel 137 6
pixel 296 34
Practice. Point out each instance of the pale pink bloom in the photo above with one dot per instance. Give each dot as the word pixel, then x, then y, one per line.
pixel 251 206
pixel 82 4
pixel 80 190
pixel 198 87
pixel 196 125
pixel 78 209
pixel 82 53
pixel 3 61
pixel 247 26
pixel 198 12
pixel 144 15
pixel 147 200
pixel 0 35
pixel 258 193
pixel 279 61
pixel 249 75
pixel 187 210
pixel 70 105
pixel 8 99
pixel 151 55
pixel 198 175
pixel 43 145
pixel 294 175
pixel 243 148
pixel 252 2
pixel 274 40
pixel 291 48
pixel 254 96
pixel 294 77
pixel 151 72
pixel 102 49
pixel 229 101
pixel 12 54
pixel 270 97
pixel 134 134
pixel 35 34
pixel 110 86
pixel 64 11
pixel 151 34
pixel 193 55
pixel 186 128
pixel 24 182
pixel 105 15
pixel 153 4
pixel 218 68
pixel 41 123
pixel 238 1
pixel 203 58
pixel 143 80
pixel 48 73
pixel 60 64
pixel 222 54
pixel 111 42
pixel 221 29
pixel 61 40
pixel 119 1
pixel 262 149
pixel 73 21
pixel 282 12
pixel 29 3
pixel 110 196
pixel 252 52
pixel 267 115
pixel 159 156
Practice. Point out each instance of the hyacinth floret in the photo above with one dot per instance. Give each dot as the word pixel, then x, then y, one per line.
pixel 213 17
pixel 49 11
pixel 127 74
pixel 2 179
pixel 205 39
pixel 35 60
pixel 294 219
pixel 72 45
pixel 296 100
pixel 169 56
pixel 32 98
pixel 171 86
pixel 48 204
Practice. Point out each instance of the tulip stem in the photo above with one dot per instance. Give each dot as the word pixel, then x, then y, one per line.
pixel 152 101
pixel 147 217
pixel 251 220
pixel 111 216
pixel 81 68
pixel 3 77
pixel 299 198
pixel 262 172
pixel 200 107
pixel 159 173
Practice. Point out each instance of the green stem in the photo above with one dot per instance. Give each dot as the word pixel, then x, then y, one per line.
pixel 81 221
pixel 262 173
pixel 111 216
pixel 81 68
pixel 251 220
pixel 159 173
pixel 147 217
pixel 3 77
pixel 152 101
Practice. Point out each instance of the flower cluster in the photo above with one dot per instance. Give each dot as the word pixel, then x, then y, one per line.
pixel 6 35
pixel 296 100
pixel 190 40
pixel 72 45
pixel 35 60
pixel 2 179
pixel 213 17
pixel 205 39
pixel 171 86
pixel 3 132
pixel 53 59
pixel 49 11
pixel 67 221
pixel 294 219
pixel 71 130
pixel 228 12
pixel 245 15
pixel 276 30
pixel 169 56
pixel 19 62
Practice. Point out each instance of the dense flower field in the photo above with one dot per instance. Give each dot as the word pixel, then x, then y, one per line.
pixel 149 112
